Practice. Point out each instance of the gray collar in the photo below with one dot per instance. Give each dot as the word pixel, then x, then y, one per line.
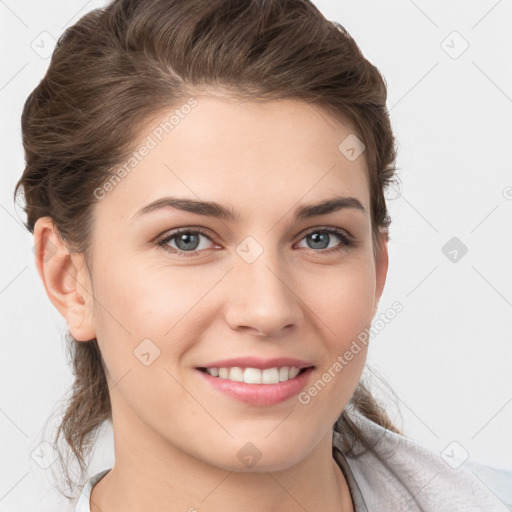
pixel 355 493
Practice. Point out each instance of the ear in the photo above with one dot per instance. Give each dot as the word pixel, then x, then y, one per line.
pixel 381 267
pixel 66 279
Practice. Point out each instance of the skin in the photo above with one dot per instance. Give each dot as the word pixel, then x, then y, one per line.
pixel 177 438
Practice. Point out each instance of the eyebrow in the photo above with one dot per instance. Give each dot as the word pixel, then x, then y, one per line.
pixel 217 210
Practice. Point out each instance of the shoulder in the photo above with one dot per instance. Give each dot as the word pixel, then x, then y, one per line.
pixel 82 504
pixel 400 473
pixel 497 480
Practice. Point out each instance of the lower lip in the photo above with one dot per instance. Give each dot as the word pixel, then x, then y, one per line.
pixel 259 394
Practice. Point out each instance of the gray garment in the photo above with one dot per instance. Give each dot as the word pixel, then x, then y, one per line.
pixel 402 474
pixel 399 474
pixel 355 493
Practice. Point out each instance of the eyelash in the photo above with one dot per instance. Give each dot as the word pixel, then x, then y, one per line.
pixel 347 241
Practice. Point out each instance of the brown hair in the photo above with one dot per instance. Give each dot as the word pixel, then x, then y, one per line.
pixel 119 66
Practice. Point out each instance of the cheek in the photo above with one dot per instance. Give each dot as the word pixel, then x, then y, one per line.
pixel 146 323
pixel 160 304
pixel 343 301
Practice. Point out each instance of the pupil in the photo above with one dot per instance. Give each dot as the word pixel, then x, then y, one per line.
pixel 184 241
pixel 321 238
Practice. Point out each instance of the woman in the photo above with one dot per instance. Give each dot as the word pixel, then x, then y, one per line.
pixel 205 185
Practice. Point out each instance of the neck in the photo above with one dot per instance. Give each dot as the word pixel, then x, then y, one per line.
pixel 152 474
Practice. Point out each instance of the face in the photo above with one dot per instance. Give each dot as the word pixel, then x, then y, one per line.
pixel 266 283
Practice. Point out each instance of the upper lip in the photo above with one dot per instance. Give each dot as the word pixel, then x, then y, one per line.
pixel 256 362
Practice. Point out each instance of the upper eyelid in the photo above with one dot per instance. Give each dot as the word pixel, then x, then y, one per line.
pixel 205 232
pixel 327 228
pixel 174 232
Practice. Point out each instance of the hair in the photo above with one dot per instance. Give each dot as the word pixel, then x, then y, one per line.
pixel 120 66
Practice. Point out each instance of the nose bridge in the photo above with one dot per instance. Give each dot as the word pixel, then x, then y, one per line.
pixel 260 296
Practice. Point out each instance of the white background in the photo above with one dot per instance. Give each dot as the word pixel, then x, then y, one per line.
pixel 448 354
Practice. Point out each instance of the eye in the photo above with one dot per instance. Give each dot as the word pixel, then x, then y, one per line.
pixel 186 240
pixel 320 238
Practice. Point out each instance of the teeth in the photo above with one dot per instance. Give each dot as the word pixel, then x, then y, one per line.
pixel 255 375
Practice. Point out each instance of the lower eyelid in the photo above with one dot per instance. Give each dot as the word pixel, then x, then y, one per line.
pixel 345 240
pixel 163 242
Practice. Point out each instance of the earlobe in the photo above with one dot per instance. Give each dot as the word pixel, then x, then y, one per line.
pixel 65 278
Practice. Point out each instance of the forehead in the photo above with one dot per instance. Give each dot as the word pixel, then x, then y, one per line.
pixel 241 153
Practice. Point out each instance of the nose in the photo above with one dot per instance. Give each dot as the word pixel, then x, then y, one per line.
pixel 260 298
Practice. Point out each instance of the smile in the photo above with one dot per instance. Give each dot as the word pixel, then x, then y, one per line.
pixel 258 393
pixel 255 375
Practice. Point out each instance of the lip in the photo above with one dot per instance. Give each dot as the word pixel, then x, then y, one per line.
pixel 262 395
pixel 256 362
